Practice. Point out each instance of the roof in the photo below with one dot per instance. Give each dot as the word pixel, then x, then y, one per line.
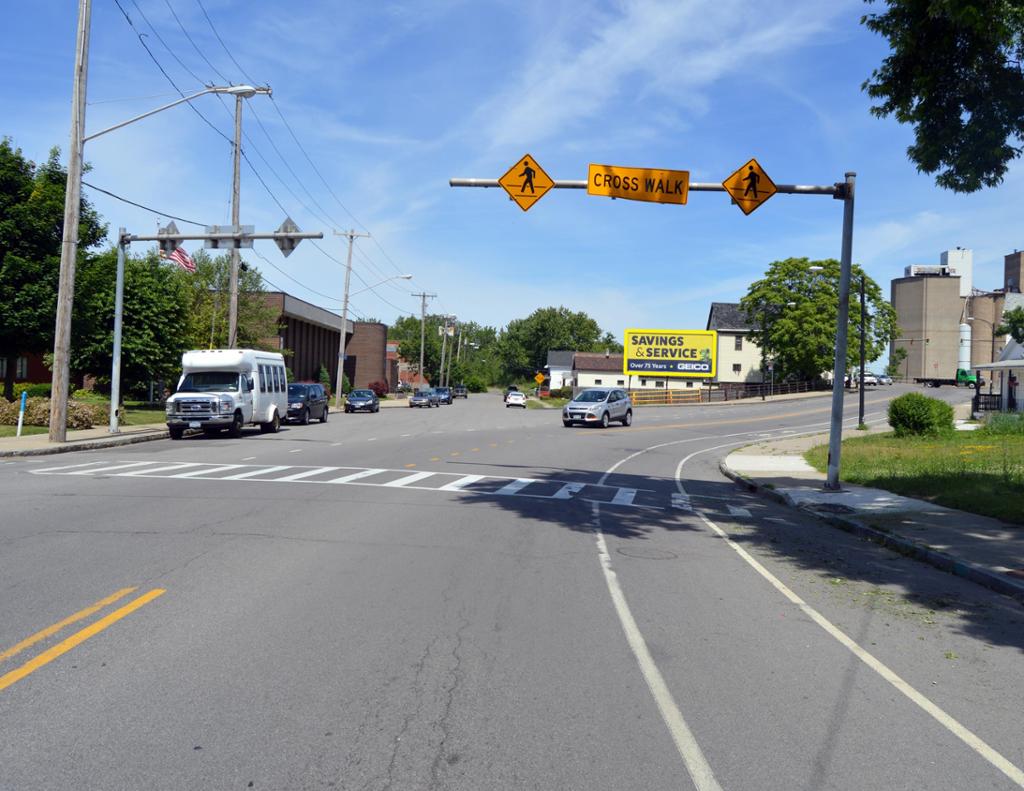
pixel 560 359
pixel 729 316
pixel 1002 365
pixel 597 361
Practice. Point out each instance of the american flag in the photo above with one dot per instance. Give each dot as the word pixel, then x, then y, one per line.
pixel 183 259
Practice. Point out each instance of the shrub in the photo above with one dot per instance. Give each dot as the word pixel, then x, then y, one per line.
pixel 34 390
pixel 475 384
pixel 37 413
pixel 379 388
pixel 1005 424
pixel 561 392
pixel 913 414
pixel 324 378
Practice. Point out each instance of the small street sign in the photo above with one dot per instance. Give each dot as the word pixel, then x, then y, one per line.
pixel 646 184
pixel 168 235
pixel 526 182
pixel 539 378
pixel 284 243
pixel 750 186
pixel 241 236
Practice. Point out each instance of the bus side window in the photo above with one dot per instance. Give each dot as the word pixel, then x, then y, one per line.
pixel 261 385
pixel 277 379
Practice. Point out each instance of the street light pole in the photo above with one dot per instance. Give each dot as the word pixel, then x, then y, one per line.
pixel 69 240
pixel 115 372
pixel 344 315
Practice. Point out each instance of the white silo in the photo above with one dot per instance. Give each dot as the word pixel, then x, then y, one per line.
pixel 963 360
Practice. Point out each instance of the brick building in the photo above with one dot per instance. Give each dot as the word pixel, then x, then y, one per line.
pixel 366 354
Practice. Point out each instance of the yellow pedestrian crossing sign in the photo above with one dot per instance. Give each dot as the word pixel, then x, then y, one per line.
pixel 750 186
pixel 526 182
pixel 539 378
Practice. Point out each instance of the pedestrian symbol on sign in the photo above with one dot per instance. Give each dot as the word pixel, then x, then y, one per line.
pixel 750 186
pixel 526 182
pixel 751 178
pixel 527 175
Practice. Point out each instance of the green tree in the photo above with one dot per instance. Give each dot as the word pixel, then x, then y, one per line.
pixel 523 346
pixel 794 312
pixel 31 226
pixel 406 330
pixel 955 75
pixel 896 358
pixel 1013 324
pixel 156 318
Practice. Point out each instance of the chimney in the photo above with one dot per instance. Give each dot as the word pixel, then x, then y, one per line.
pixel 607 352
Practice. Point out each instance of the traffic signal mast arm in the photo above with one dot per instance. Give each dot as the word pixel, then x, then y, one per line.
pixel 836 190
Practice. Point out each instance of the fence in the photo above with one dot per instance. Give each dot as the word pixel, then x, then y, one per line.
pixel 724 392
pixel 987 402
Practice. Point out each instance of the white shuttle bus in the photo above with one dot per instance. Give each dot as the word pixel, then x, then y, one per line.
pixel 228 389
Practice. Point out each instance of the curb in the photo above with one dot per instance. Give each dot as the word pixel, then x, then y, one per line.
pixel 95 444
pixel 980 575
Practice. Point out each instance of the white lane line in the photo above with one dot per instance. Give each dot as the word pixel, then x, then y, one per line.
pixel 355 476
pixel 405 435
pixel 207 471
pixel 461 483
pixel 567 491
pixel 686 743
pixel 248 458
pixel 111 469
pixel 735 510
pixel 516 485
pixel 254 473
pixel 297 450
pixel 624 497
pixel 335 444
pixel 68 466
pixel 166 468
pixel 968 737
pixel 416 476
pixel 372 439
pixel 305 474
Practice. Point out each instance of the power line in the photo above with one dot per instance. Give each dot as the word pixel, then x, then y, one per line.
pixel 214 29
pixel 140 206
pixel 193 43
pixel 160 38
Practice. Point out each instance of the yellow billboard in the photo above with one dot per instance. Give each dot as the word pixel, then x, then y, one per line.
pixel 685 353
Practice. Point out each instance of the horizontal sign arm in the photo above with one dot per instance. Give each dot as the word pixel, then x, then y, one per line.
pixel 193 236
pixel 572 184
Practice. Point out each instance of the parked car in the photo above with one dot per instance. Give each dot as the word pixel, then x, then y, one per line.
pixel 460 391
pixel 306 401
pixel 515 398
pixel 884 379
pixel 510 389
pixel 420 398
pixel 444 395
pixel 362 400
pixel 598 406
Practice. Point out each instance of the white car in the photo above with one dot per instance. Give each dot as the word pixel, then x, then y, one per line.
pixel 515 398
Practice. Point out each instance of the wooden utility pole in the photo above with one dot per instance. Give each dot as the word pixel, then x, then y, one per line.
pixel 423 324
pixel 344 314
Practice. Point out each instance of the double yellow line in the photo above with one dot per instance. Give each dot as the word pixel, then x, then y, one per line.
pixel 77 638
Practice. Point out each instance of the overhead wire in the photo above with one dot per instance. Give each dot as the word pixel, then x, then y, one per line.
pixel 141 206
pixel 193 43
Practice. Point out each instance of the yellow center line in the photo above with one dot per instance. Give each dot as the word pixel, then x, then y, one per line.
pixel 476 450
pixel 435 458
pixel 410 465
pixel 455 453
pixel 51 630
pixel 492 445
pixel 78 637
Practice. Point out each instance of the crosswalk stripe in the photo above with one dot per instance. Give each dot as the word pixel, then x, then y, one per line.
pixel 737 511
pixel 567 491
pixel 516 486
pixel 412 478
pixel 461 483
pixel 682 501
pixel 69 466
pixel 254 473
pixel 95 470
pixel 166 468
pixel 624 496
pixel 207 471
pixel 305 474
pixel 355 476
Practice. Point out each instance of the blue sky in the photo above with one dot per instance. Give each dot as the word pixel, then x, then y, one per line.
pixel 391 99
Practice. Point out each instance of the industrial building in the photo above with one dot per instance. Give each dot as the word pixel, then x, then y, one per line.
pixel 945 322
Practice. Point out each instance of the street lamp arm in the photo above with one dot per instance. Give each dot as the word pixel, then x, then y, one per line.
pixel 381 283
pixel 235 90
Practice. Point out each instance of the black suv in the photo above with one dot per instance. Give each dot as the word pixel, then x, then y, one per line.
pixel 460 391
pixel 307 401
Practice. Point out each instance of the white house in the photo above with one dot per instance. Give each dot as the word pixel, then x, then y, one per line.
pixel 1009 371
pixel 739 359
pixel 559 368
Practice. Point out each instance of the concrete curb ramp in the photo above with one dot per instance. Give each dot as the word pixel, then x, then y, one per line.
pixel 815 503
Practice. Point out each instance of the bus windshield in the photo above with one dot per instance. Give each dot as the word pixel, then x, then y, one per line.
pixel 210 382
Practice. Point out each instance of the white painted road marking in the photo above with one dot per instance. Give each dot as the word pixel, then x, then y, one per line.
pixel 517 485
pixel 408 479
pixel 306 474
pixel 253 473
pixel 465 480
pixel 94 470
pixel 355 476
pixel 682 501
pixel 735 510
pixel 197 473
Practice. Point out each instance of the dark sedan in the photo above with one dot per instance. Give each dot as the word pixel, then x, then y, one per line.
pixel 307 401
pixel 362 401
pixel 444 395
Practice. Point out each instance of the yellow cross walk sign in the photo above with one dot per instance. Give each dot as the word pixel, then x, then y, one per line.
pixel 750 186
pixel 526 182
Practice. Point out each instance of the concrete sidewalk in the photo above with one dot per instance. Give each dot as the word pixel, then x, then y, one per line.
pixel 80 439
pixel 978 548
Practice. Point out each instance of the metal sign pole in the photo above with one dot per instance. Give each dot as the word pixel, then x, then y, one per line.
pixel 115 371
pixel 842 326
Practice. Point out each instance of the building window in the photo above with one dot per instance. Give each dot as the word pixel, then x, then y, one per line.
pixel 736 368
pixel 643 383
pixel 689 384
pixel 739 343
pixel 659 383
pixel 621 382
pixel 597 381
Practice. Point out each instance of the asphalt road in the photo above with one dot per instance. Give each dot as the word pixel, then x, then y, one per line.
pixel 474 597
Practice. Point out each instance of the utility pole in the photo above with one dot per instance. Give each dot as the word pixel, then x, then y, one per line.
pixel 444 345
pixel 451 353
pixel 236 184
pixel 344 314
pixel 69 242
pixel 423 323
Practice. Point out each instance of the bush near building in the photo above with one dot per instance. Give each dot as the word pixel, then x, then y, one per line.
pixel 379 388
pixel 37 413
pixel 915 415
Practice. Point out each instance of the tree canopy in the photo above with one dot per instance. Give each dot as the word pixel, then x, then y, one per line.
pixel 794 312
pixel 1013 324
pixel 954 74
pixel 31 227
pixel 523 346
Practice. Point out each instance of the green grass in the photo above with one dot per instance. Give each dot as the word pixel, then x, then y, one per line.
pixel 975 471
pixel 12 431
pixel 546 403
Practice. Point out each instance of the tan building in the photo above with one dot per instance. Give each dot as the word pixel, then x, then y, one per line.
pixel 739 358
pixel 308 334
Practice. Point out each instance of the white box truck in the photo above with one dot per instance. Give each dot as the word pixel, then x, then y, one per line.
pixel 226 389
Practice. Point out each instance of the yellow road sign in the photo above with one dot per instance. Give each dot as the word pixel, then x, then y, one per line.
pixel 526 182
pixel 656 186
pixel 539 378
pixel 750 186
